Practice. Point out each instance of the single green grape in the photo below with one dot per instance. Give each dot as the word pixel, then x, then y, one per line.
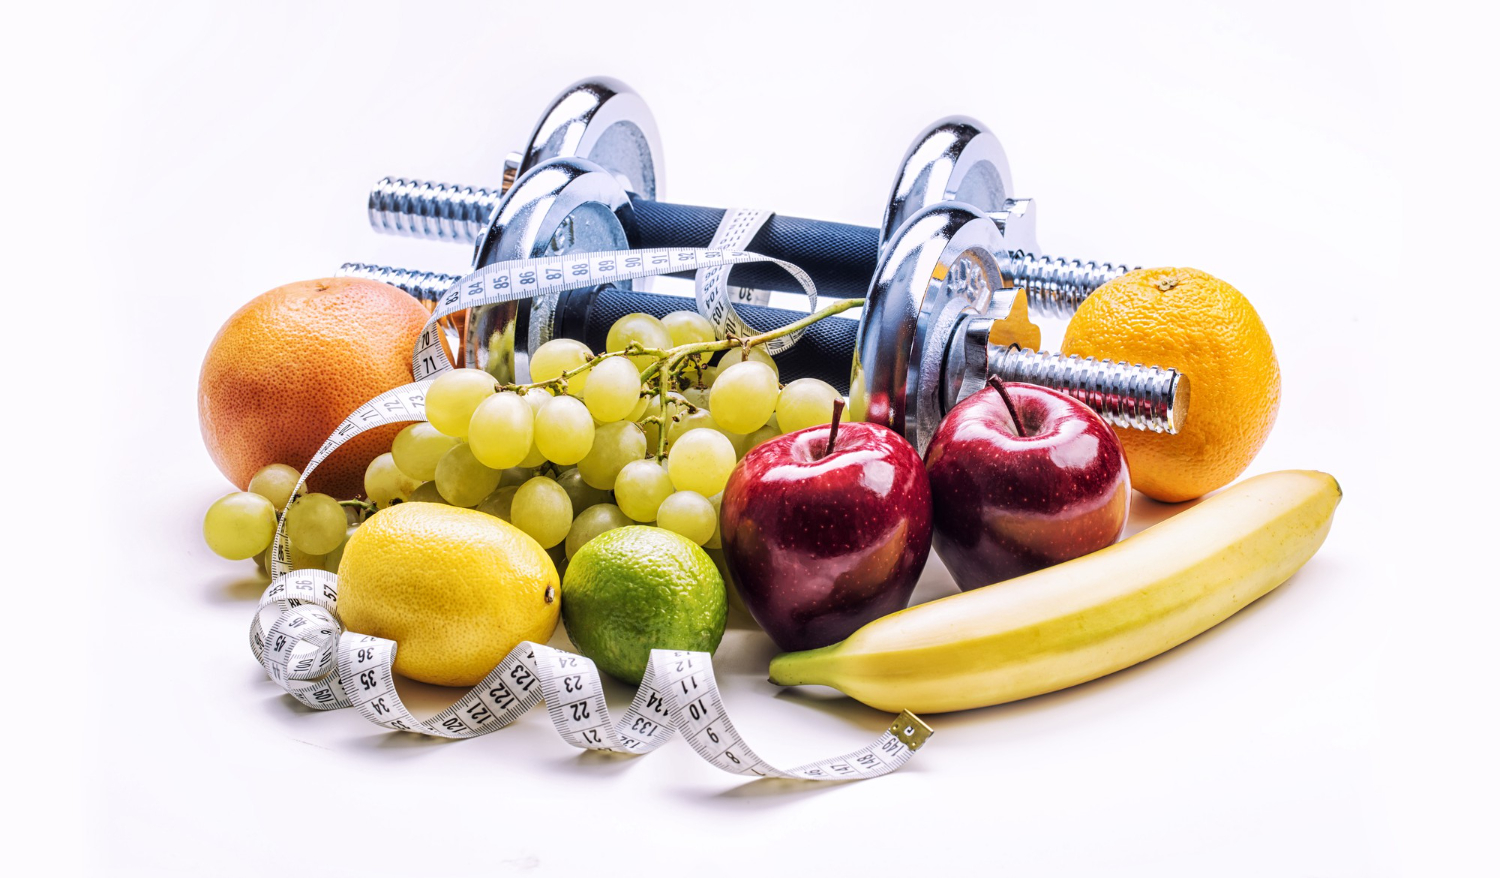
pixel 418 448
pixel 275 482
pixel 696 396
pixel 239 525
pixel 501 429
pixel 642 328
pixel 806 402
pixel 701 460
pixel 426 492
pixel 688 327
pixel 385 483
pixel 592 522
pixel 614 389
pixel 516 475
pixel 581 492
pixel 564 430
pixel 316 523
pixel 690 514
pixel 462 479
pixel 561 355
pixel 542 509
pixel 452 398
pixel 533 459
pixel 300 560
pixel 640 488
pixel 332 559
pixel 769 431
pixel 740 441
pixel 614 446
pixel 738 355
pixel 743 397
pixel 536 397
pixel 716 541
pixel 499 502
pixel 700 419
pixel 639 411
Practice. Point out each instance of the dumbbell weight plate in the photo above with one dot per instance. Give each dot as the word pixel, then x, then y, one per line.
pixel 562 205
pixel 955 158
pixel 939 267
pixel 603 120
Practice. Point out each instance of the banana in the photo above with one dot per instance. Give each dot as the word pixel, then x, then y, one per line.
pixel 1085 618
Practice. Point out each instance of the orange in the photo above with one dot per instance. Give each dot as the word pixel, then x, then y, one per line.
pixel 1185 319
pixel 291 364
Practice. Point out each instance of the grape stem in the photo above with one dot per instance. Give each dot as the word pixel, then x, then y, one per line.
pixel 674 356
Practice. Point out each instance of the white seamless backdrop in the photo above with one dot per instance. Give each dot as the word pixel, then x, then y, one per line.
pixel 169 161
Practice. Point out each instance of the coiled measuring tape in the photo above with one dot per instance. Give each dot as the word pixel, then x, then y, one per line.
pixel 297 637
pixel 547 276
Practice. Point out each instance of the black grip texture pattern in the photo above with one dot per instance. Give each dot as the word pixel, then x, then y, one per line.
pixel 840 258
pixel 826 350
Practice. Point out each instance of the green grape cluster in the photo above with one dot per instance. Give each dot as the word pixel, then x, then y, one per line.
pixel 642 433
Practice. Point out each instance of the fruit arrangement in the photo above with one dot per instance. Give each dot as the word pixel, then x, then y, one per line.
pixel 632 493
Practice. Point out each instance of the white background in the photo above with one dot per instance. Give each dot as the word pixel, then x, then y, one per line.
pixel 1329 159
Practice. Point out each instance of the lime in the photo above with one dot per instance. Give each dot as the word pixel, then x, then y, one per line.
pixel 634 589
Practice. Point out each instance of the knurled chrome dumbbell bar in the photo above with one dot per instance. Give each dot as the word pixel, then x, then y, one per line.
pixel 603 120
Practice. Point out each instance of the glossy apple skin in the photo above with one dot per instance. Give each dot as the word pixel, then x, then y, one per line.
pixel 1005 505
pixel 819 545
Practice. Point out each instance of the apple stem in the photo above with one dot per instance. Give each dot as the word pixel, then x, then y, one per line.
pixel 833 431
pixel 999 386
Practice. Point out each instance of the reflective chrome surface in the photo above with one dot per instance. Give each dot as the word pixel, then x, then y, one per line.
pixel 600 119
pixel 954 159
pixel 559 206
pixel 937 269
pixel 603 120
pixel 1124 394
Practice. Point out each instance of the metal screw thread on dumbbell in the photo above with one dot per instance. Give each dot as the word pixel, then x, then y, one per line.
pixel 431 211
pixel 1143 397
pixel 446 212
pixel 424 286
pixel 1056 287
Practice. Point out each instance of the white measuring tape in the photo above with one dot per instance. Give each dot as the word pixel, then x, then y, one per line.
pixel 711 284
pixel 297 637
pixel 547 276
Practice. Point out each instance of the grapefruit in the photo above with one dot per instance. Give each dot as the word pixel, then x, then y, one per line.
pixel 291 364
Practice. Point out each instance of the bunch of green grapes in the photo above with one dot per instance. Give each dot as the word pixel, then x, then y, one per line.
pixel 588 446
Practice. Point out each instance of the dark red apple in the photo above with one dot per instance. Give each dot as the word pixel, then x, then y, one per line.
pixel 1023 484
pixel 822 537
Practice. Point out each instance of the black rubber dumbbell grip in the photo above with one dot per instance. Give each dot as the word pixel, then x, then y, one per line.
pixel 840 258
pixel 826 350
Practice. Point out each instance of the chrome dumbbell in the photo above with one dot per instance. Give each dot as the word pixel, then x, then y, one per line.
pixel 562 200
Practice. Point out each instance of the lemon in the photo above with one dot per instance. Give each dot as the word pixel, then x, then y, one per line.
pixel 455 588
pixel 634 589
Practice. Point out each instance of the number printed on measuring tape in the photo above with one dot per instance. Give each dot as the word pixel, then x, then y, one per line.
pixel 711 287
pixel 548 275
pixel 297 636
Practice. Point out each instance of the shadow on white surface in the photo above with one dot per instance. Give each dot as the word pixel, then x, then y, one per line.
pixel 238 587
